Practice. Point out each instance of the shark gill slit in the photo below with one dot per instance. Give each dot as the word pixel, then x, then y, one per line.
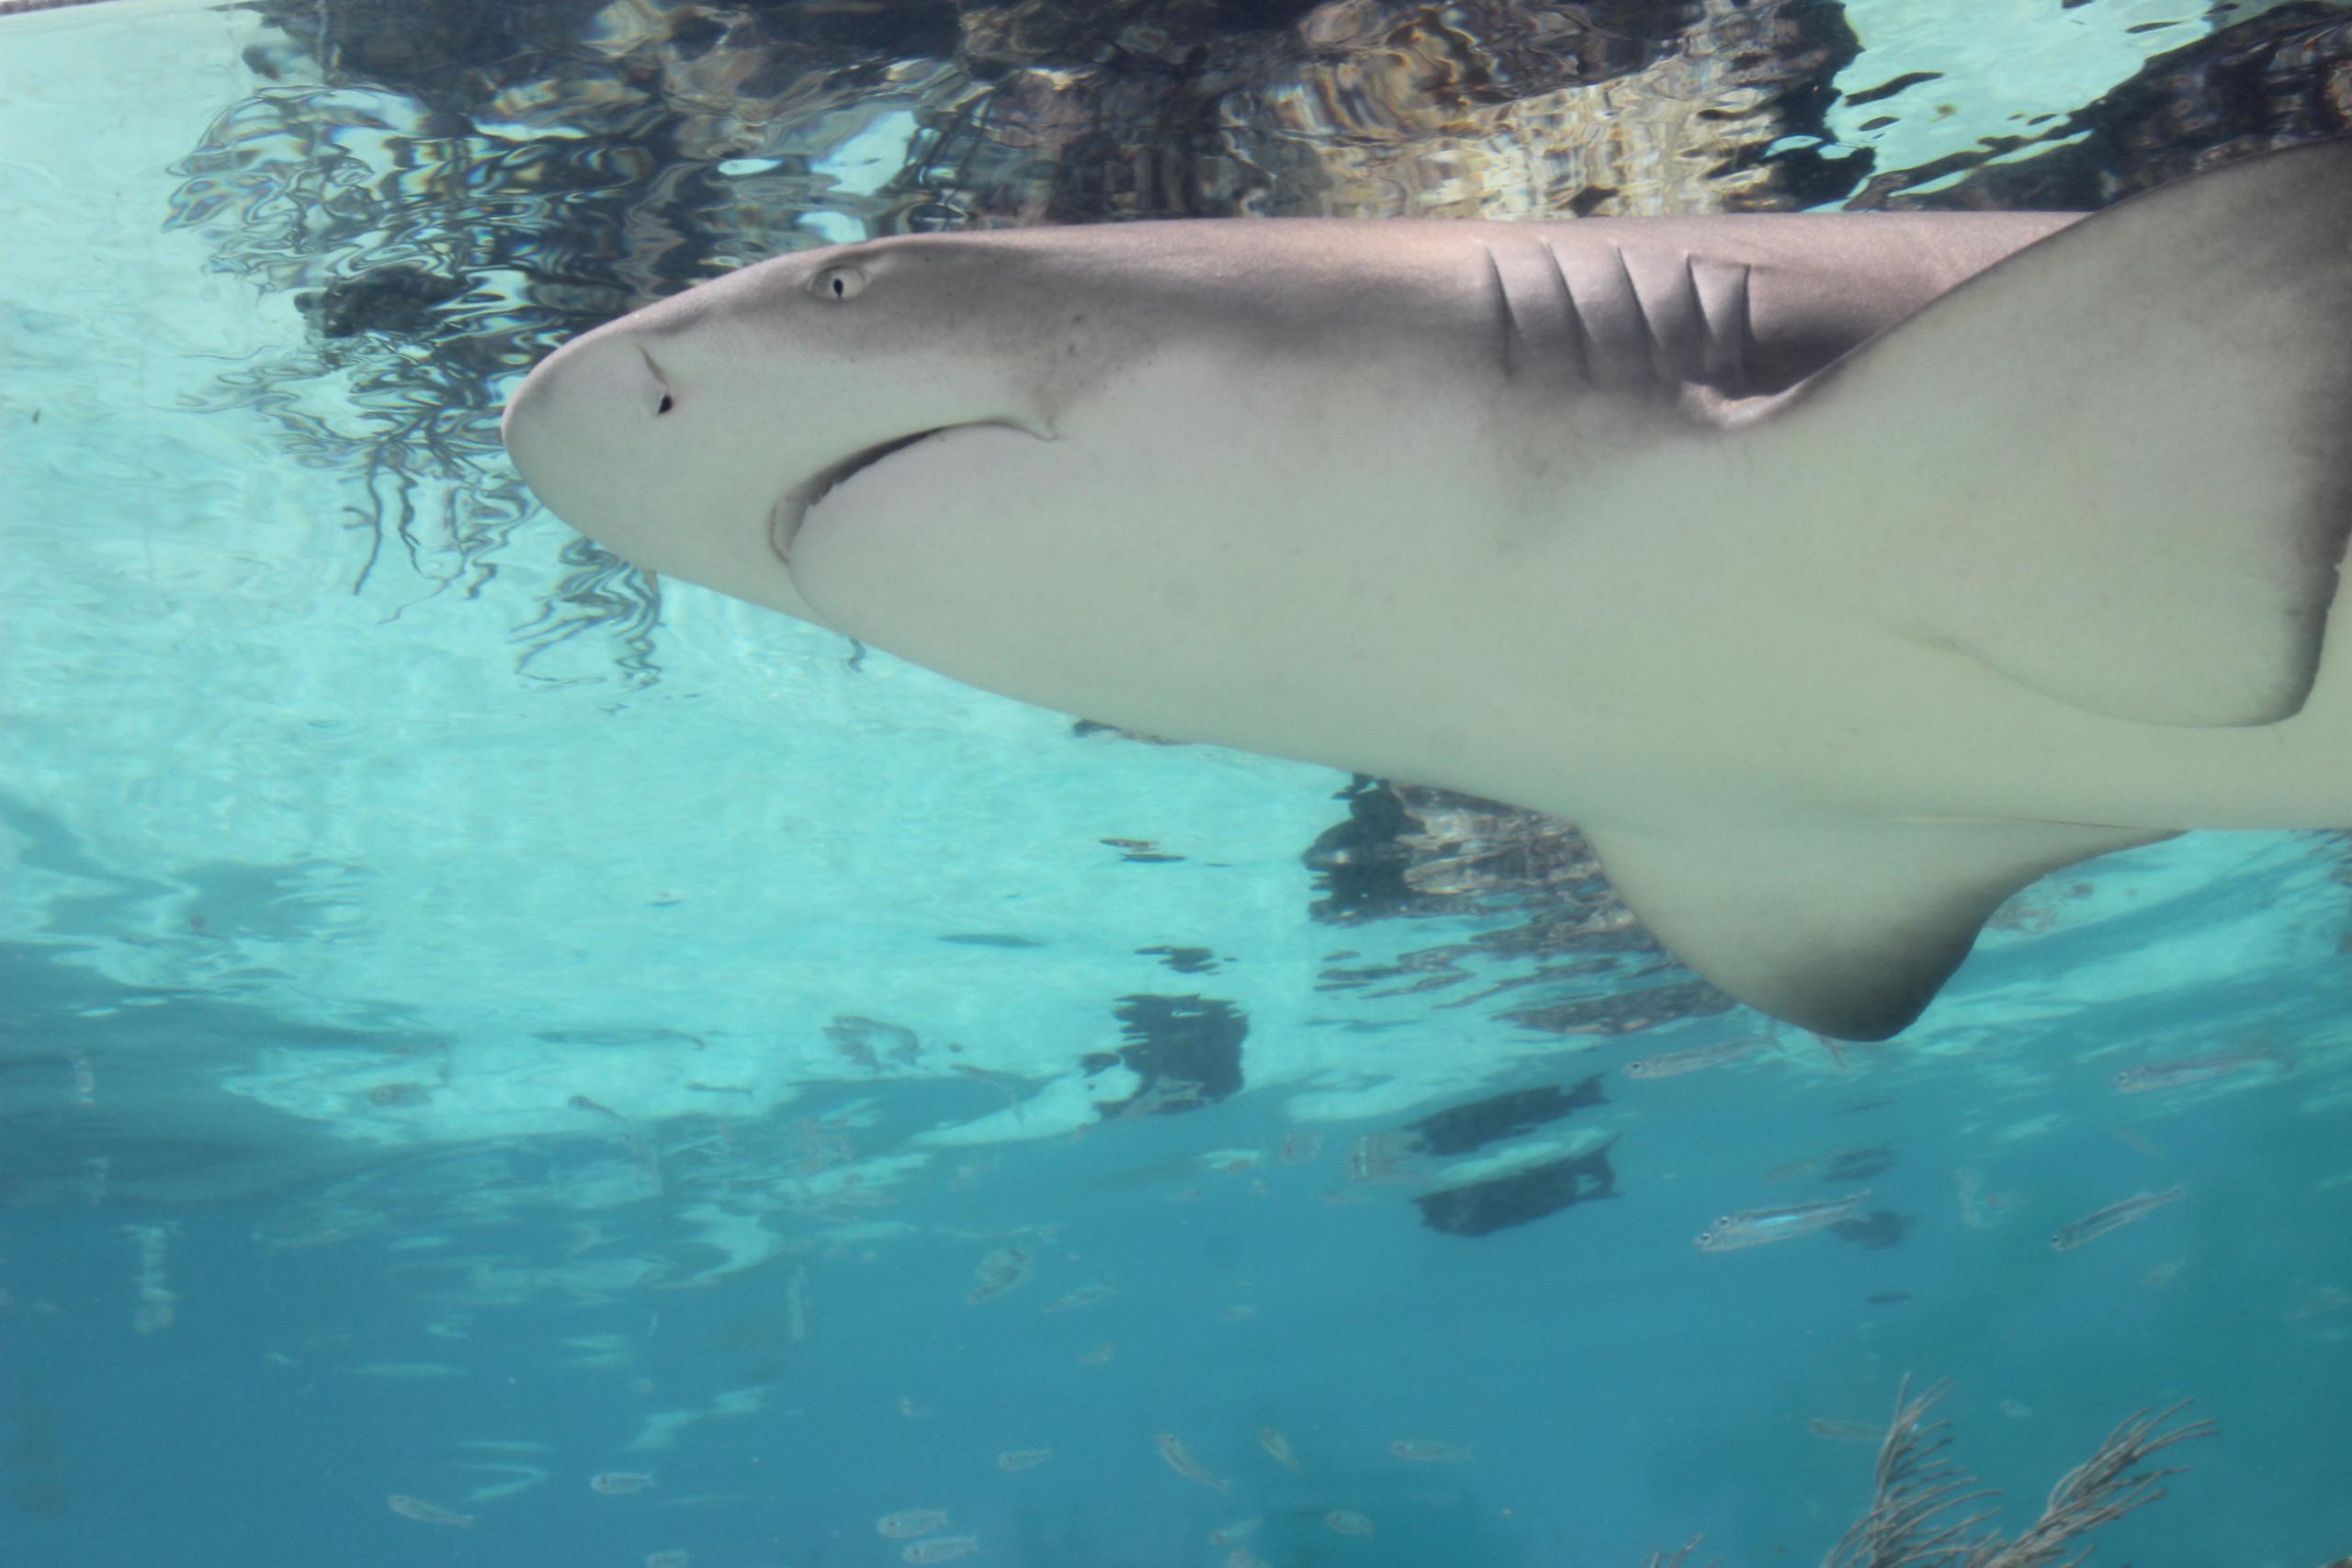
pixel 1509 321
pixel 1654 346
pixel 1728 342
pixel 1579 338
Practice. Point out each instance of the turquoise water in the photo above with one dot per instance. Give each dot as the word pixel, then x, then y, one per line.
pixel 473 1025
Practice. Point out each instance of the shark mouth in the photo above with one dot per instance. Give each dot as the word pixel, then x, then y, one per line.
pixel 785 522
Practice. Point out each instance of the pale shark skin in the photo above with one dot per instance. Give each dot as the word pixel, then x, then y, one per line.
pixel 1825 655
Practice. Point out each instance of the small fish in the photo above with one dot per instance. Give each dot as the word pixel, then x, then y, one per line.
pixel 1429 1451
pixel 1275 1444
pixel 1756 1228
pixel 1242 1557
pixel 1237 1532
pixel 2156 1278
pixel 909 1522
pixel 942 1549
pixel 1977 1206
pixel 620 1483
pixel 1012 1462
pixel 1393 1154
pixel 1084 1296
pixel 1099 1356
pixel 1347 1521
pixel 1004 1269
pixel 2333 1297
pixel 1839 1431
pixel 674 1558
pixel 2192 1069
pixel 2098 1222
pixel 417 1509
pixel 521 1477
pixel 1674 1063
pixel 857 1038
pixel 1181 1460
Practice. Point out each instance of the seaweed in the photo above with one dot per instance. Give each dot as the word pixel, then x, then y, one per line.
pixel 1927 1512
pixel 1911 1523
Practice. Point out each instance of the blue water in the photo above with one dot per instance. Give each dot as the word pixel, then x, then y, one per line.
pixel 471 1026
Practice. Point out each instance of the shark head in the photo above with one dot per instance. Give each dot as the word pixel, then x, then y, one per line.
pixel 1045 461
pixel 696 439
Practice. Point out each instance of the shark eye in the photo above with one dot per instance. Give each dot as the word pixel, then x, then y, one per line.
pixel 837 283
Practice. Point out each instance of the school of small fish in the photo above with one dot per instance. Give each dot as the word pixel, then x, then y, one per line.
pixel 926 1535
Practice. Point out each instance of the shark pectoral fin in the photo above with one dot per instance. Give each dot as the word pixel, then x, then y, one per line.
pixel 1843 927
pixel 2116 467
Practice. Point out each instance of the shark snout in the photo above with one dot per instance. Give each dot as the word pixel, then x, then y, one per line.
pixel 596 433
pixel 651 461
pixel 605 383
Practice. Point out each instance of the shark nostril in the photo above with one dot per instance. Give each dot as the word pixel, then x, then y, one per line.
pixel 661 382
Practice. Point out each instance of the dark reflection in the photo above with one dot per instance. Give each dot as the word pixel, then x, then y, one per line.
pixel 1410 853
pixel 1520 1197
pixel 2243 88
pixel 443 51
pixel 869 1042
pixel 1187 1050
pixel 43 1496
pixel 397 300
pixel 1183 960
pixel 1472 1126
pixel 1878 1230
pixel 1855 1166
pixel 30 1448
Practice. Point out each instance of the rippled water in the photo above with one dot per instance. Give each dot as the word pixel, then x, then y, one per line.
pixel 476 1019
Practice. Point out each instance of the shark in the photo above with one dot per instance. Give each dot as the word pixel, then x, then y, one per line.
pixel 1837 574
